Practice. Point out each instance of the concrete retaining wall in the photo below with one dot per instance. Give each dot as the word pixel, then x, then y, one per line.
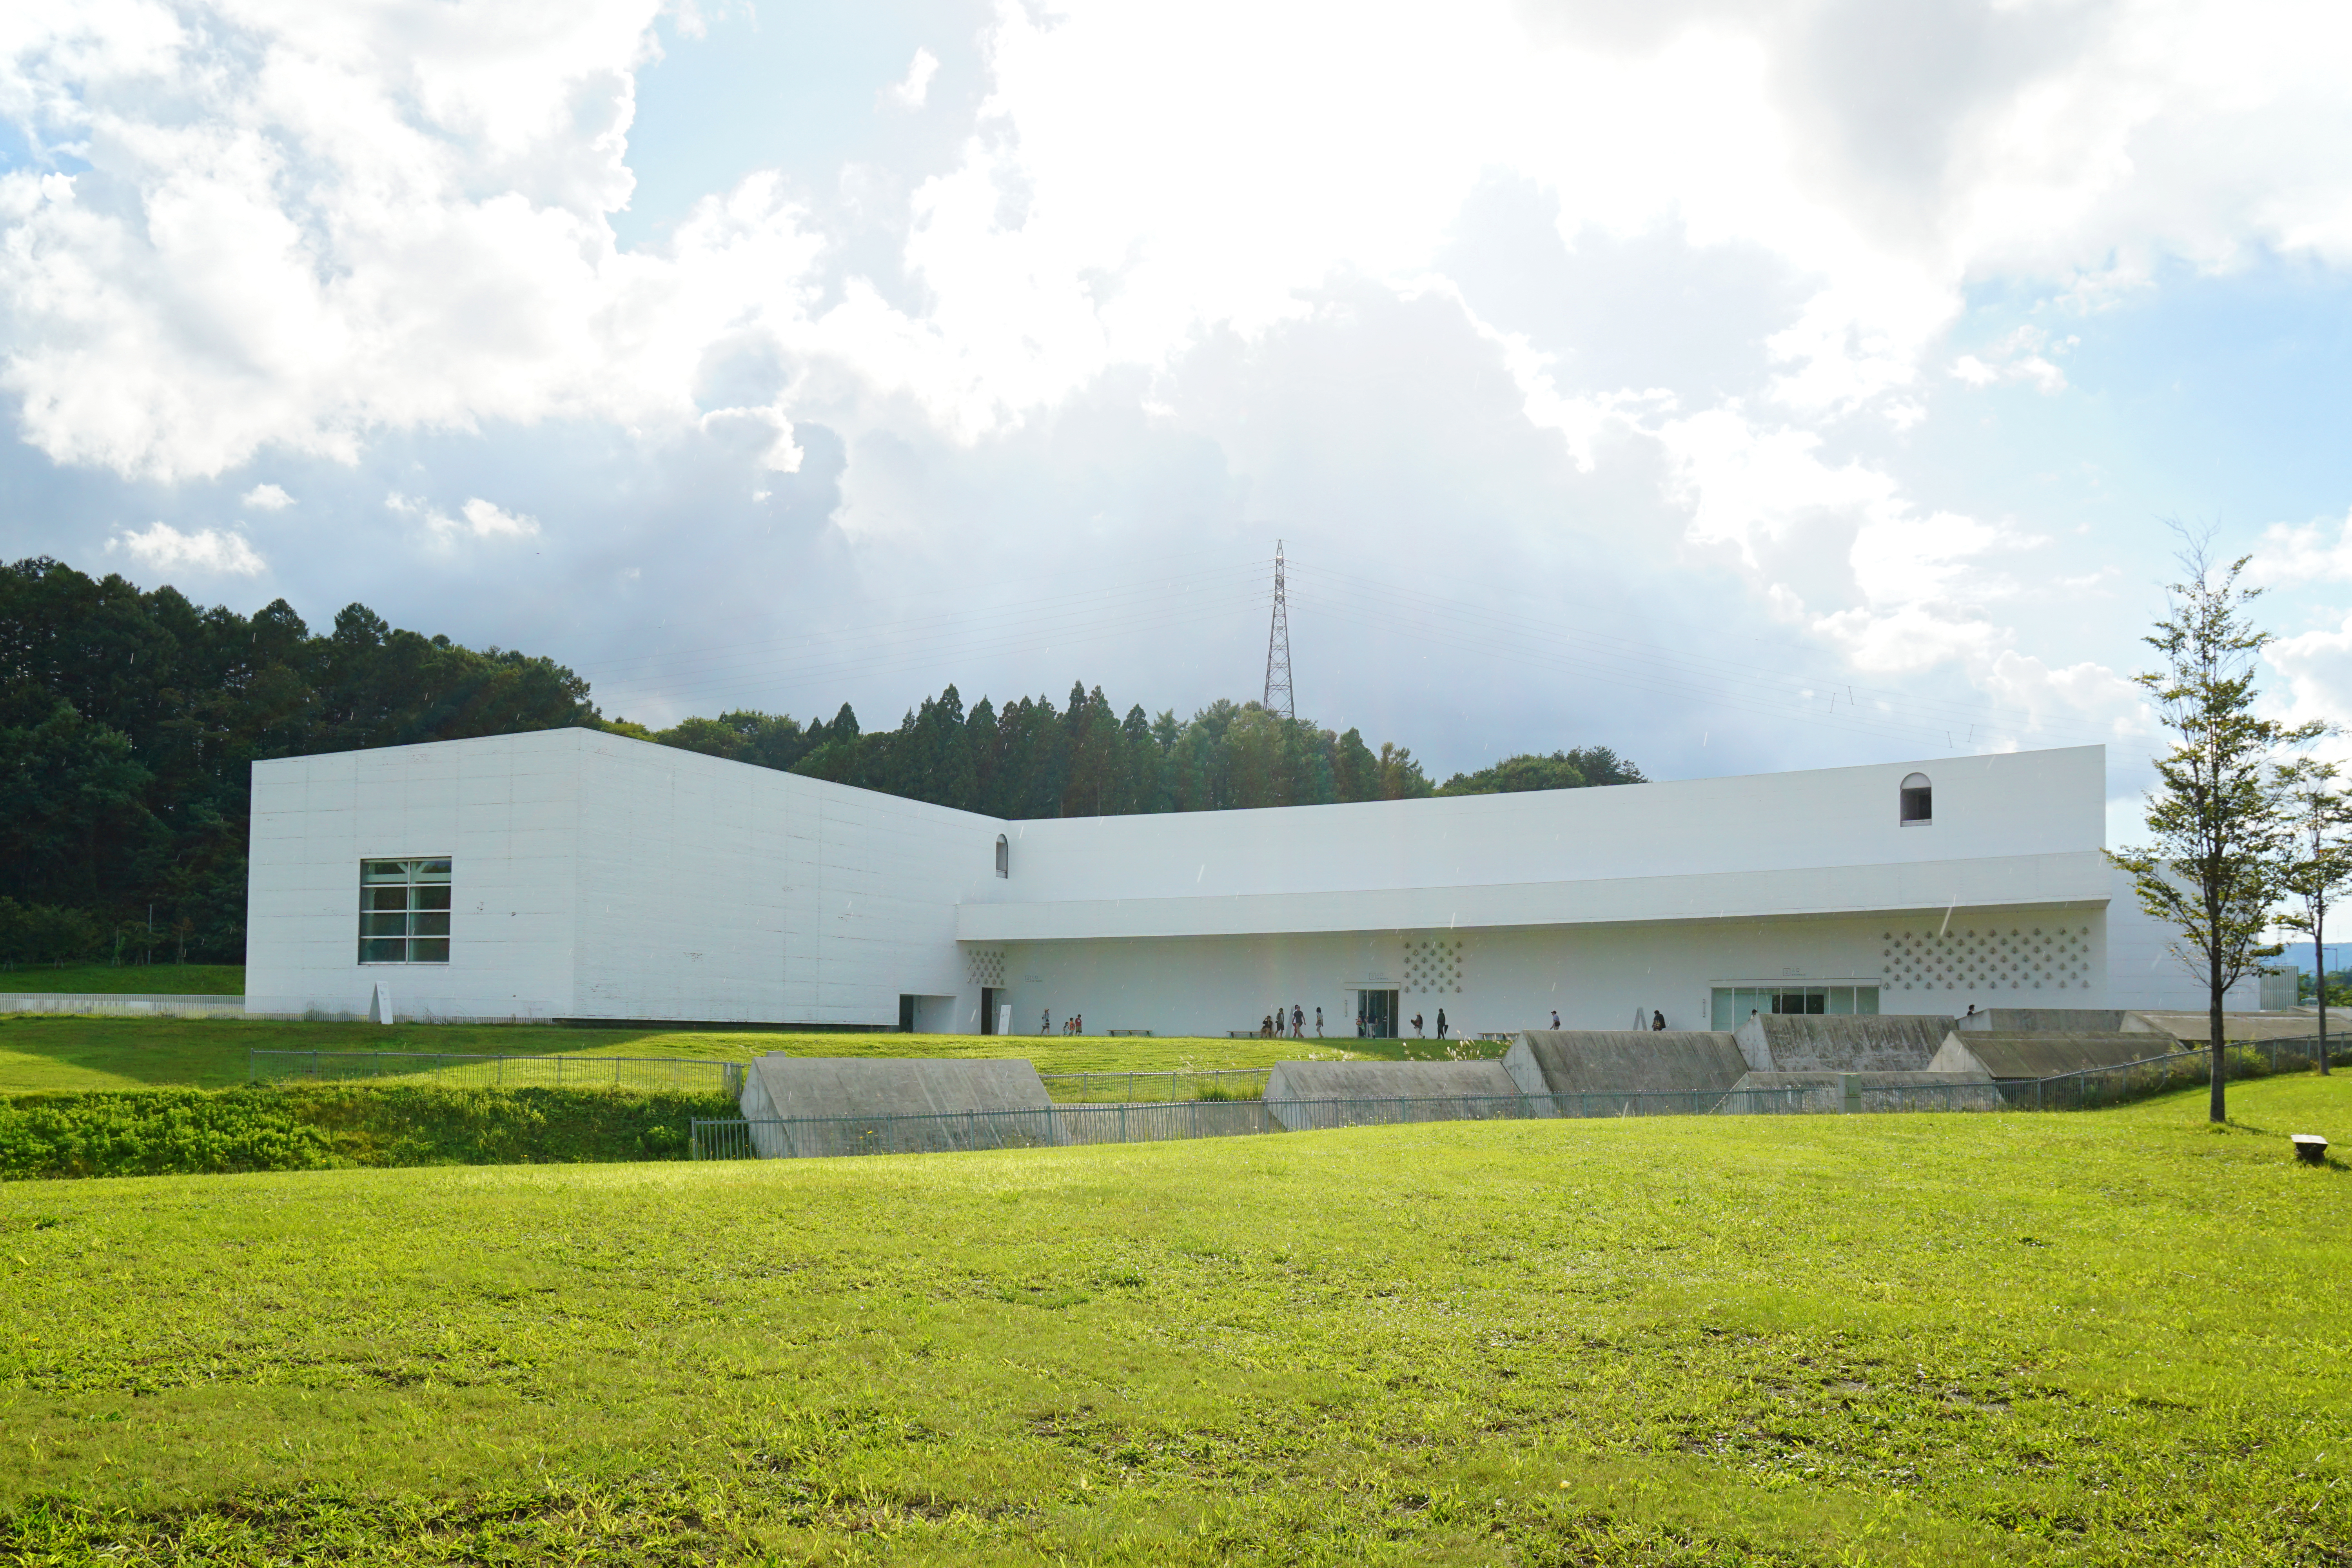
pixel 1585 1061
pixel 1846 1043
pixel 2017 1056
pixel 2043 1021
pixel 781 1087
pixel 1873 1091
pixel 1295 1081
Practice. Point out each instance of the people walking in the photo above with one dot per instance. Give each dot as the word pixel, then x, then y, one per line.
pixel 1657 1021
pixel 1297 1023
pixel 1418 1032
pixel 1046 1022
pixel 1360 1026
pixel 1555 1017
pixel 1441 1023
pixel 1319 1023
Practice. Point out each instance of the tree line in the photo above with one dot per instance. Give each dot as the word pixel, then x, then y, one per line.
pixel 130 719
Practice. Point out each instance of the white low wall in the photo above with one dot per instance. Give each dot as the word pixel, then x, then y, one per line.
pixel 156 1005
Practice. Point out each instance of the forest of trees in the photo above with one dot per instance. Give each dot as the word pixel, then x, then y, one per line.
pixel 129 720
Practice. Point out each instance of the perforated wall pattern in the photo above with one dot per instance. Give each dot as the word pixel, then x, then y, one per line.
pixel 2006 958
pixel 1435 964
pixel 984 966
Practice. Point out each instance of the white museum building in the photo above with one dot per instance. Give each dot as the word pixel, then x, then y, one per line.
pixel 570 874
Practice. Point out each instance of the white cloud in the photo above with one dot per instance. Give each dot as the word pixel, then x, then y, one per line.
pixel 2290 554
pixel 163 548
pixel 398 218
pixel 268 498
pixel 2024 355
pixel 477 518
pixel 909 92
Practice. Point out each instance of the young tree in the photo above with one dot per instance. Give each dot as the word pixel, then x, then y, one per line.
pixel 2219 815
pixel 2322 859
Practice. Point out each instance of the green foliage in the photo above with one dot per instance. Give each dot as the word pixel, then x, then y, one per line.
pixel 45 933
pixel 130 719
pixel 49 1051
pixel 2106 1339
pixel 1577 769
pixel 164 978
pixel 313 1126
pixel 2221 811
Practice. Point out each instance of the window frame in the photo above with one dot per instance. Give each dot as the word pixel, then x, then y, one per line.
pixel 1926 787
pixel 1003 857
pixel 405 904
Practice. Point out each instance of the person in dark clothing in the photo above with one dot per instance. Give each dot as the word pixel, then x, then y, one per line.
pixel 1657 1020
pixel 1441 1023
pixel 1416 1024
pixel 1297 1021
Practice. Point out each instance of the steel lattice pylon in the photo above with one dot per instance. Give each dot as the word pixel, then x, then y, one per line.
pixel 1279 699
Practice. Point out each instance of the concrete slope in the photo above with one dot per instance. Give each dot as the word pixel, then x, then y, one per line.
pixel 1875 1091
pixel 1295 1093
pixel 882 1090
pixel 2197 1029
pixel 2020 1055
pixel 1843 1042
pixel 2043 1021
pixel 1624 1062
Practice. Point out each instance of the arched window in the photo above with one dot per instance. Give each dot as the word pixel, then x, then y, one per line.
pixel 1003 857
pixel 1919 800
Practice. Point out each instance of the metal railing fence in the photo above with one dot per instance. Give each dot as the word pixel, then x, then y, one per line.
pixel 460 1070
pixel 1137 1088
pixel 2094 1088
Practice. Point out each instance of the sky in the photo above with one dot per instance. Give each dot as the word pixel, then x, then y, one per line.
pixel 1740 386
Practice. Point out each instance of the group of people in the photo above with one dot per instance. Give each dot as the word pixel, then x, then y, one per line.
pixel 1273 1027
pixel 1075 1024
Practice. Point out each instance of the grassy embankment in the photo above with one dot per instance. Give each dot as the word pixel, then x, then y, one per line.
pixel 2113 1338
pixel 114 980
pixel 39 1051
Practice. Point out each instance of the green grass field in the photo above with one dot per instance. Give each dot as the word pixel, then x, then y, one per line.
pixel 43 1051
pixel 165 979
pixel 2108 1338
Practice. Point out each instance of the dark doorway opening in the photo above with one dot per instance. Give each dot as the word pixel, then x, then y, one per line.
pixel 1379 1009
pixel 906 1015
pixel 988 1009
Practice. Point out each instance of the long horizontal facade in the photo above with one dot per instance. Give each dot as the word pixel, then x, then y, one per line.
pixel 573 873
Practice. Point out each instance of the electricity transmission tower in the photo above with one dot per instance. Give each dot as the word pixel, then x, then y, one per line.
pixel 1277 650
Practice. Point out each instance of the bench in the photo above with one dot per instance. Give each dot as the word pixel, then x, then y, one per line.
pixel 2310 1148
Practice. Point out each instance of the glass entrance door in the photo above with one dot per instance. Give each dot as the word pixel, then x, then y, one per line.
pixel 1379 1010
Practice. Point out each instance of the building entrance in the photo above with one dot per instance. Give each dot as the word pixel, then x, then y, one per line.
pixel 1379 1010
pixel 988 1009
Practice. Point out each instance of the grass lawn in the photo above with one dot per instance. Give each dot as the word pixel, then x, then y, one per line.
pixel 166 979
pixel 40 1051
pixel 2107 1337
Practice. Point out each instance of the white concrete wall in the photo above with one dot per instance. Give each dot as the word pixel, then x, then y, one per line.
pixel 2013 804
pixel 717 891
pixel 504 808
pixel 595 876
pixel 600 877
pixel 2144 973
pixel 2019 828
pixel 1599 976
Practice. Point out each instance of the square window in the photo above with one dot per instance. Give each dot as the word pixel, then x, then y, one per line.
pixel 404 911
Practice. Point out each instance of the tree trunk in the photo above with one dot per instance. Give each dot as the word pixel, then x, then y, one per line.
pixel 2218 1111
pixel 2319 962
